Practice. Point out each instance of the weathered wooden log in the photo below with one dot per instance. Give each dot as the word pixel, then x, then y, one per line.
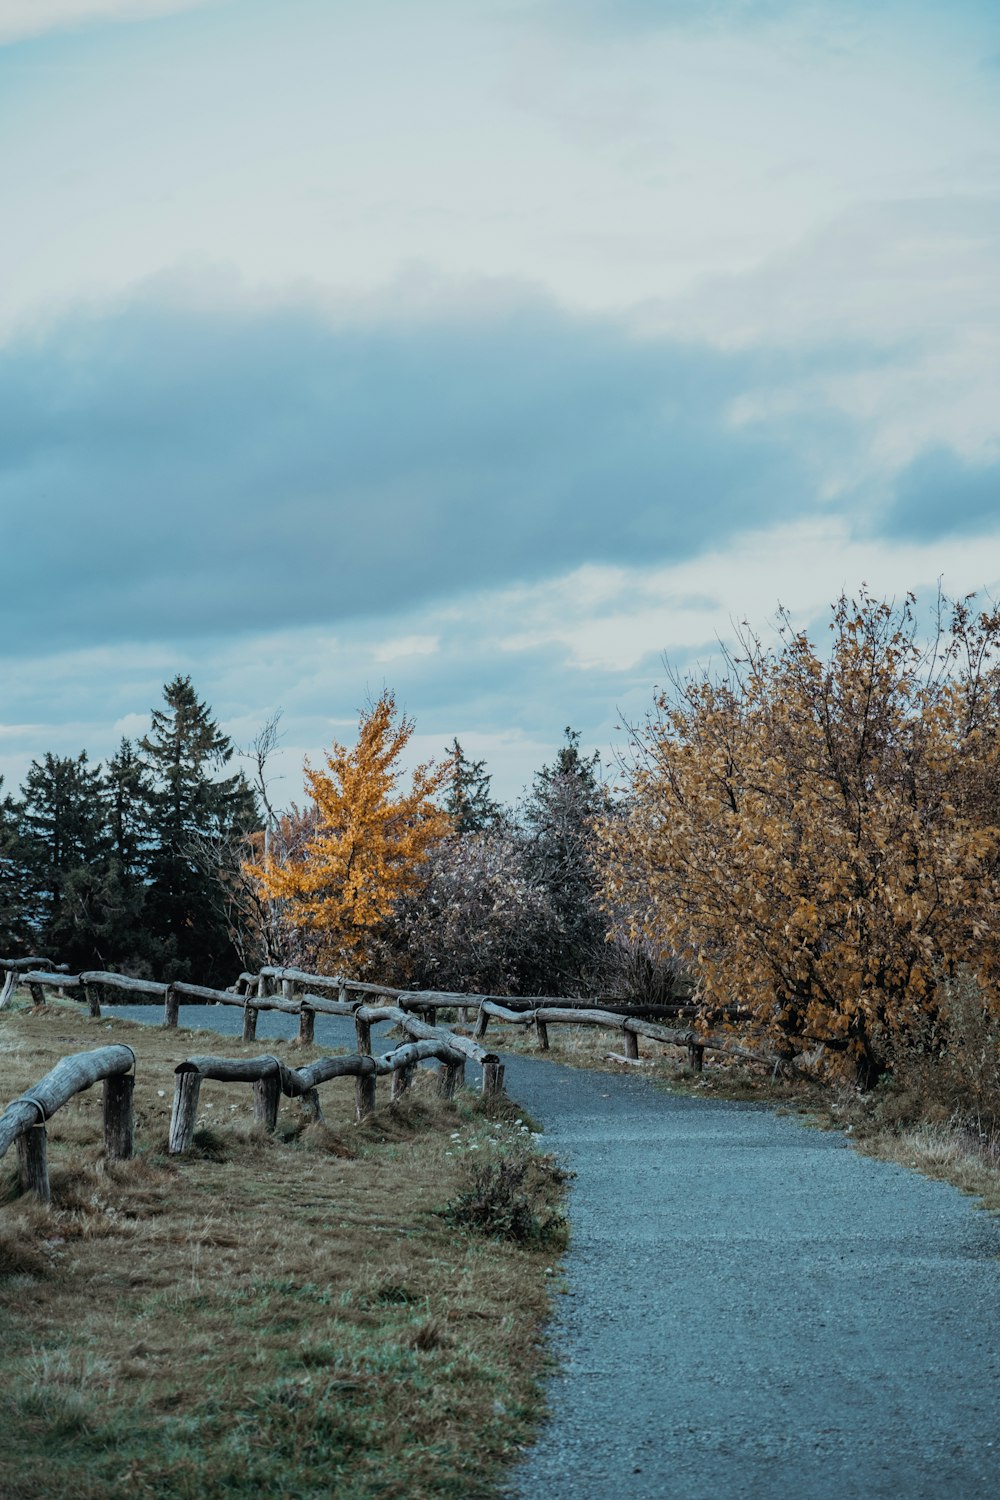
pixel 466 1045
pixel 266 1098
pixel 696 1056
pixel 326 1007
pixel 51 978
pixel 21 965
pixel 401 1080
pixel 633 1062
pixel 631 1045
pixel 92 994
pixel 450 1077
pixel 307 1024
pixel 411 1053
pixel 36 992
pixel 512 1017
pixel 123 982
pixel 68 1077
pixel 7 990
pixel 364 1096
pixel 187 1087
pixel 363 1031
pixel 231 1069
pixel 298 1081
pixel 482 1022
pixel 171 1006
pixel 311 1106
pixel 32 1162
pixel 542 1033
pixel 493 1073
pixel 249 1022
pixel 204 992
pixel 119 1117
pixel 329 982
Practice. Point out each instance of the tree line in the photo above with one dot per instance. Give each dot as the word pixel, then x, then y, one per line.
pixel 806 838
pixel 166 861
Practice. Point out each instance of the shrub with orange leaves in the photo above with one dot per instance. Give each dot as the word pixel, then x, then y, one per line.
pixel 818 837
pixel 360 845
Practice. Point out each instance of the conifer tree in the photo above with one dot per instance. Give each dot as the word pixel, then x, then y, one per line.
pixel 189 804
pixel 559 819
pixel 468 801
pixel 62 847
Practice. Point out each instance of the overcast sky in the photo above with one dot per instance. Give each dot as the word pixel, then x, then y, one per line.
pixel 484 349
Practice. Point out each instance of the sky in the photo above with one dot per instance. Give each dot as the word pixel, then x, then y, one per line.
pixel 492 351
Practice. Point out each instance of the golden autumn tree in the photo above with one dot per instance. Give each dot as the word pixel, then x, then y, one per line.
pixel 342 863
pixel 818 836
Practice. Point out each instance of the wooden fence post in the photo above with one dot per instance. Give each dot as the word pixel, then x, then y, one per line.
pixel 364 1095
pixel 185 1109
pixel 631 1045
pixel 266 1098
pixel 542 1032
pixel 431 1015
pixel 696 1056
pixel 401 1080
pixel 250 1014
pixel 482 1021
pixel 93 997
pixel 171 1007
pixel 33 1162
pixel 311 1105
pixel 37 998
pixel 450 1076
pixel 119 1117
pixel 307 1022
pixel 363 1029
pixel 493 1071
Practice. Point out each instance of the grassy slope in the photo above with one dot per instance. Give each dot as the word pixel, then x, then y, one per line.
pixel 286 1315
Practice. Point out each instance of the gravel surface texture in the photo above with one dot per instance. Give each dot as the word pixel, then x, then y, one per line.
pixel 754 1310
pixel 751 1309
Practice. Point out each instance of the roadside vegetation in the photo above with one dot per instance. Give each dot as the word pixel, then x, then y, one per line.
pixel 312 1313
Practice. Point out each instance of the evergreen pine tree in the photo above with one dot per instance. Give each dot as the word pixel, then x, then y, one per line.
pixel 191 808
pixel 468 801
pixel 558 818
pixel 62 847
pixel 13 928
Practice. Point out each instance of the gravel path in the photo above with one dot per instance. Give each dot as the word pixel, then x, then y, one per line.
pixel 754 1310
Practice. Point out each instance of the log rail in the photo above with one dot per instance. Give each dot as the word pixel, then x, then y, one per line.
pixel 24 1118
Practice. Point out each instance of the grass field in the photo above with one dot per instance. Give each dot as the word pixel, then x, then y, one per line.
pixel 292 1315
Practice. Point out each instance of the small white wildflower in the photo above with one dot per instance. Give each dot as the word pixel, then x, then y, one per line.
pixel 161 1093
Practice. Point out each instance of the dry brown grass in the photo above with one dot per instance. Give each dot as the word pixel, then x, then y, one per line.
pixel 281 1315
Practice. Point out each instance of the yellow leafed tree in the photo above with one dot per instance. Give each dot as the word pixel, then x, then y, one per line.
pixel 818 837
pixel 362 842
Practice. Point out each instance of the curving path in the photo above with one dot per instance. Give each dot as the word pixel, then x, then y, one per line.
pixel 756 1311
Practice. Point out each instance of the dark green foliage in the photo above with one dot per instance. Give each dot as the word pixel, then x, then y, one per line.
pixel 558 819
pixel 468 801
pixel 62 848
pixel 191 810
pixel 13 917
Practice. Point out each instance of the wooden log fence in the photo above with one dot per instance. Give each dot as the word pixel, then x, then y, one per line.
pixel 271 1079
pixel 631 1027
pixel 24 1118
pixel 305 995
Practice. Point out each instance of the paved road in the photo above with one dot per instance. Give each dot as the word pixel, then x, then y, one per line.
pixel 756 1311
